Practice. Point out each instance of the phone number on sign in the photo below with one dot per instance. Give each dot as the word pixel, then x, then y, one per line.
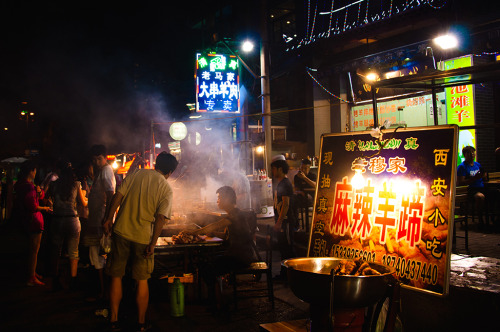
pixel 352 253
pixel 411 269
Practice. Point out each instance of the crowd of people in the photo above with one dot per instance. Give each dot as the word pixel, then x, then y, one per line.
pixel 75 209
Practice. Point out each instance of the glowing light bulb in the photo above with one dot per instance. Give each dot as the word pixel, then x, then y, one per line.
pixel 371 76
pixel 446 41
pixel 259 149
pixel 247 46
pixel 358 181
pixel 115 165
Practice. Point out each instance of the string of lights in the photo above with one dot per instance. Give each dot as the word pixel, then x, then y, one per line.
pixel 314 21
pixel 308 16
pixel 331 16
pixel 366 13
pixel 345 19
pixel 487 54
pixel 429 2
pixel 315 30
pixel 359 10
pixel 321 86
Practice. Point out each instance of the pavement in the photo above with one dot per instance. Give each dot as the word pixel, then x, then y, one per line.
pixel 39 308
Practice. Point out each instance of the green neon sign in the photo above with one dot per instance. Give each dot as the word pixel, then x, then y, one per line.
pixel 218 63
pixel 233 64
pixel 202 62
pixel 460 105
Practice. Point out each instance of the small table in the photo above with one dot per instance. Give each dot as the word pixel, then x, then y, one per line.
pixel 201 250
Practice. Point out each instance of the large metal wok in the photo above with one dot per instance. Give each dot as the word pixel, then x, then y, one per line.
pixel 310 280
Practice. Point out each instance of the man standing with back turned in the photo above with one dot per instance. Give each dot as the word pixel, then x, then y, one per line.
pixel 145 202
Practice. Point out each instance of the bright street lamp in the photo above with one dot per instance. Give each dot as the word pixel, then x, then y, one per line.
pixel 446 41
pixel 247 46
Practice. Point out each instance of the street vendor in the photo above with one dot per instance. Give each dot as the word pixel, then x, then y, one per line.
pixel 304 179
pixel 285 220
pixel 240 252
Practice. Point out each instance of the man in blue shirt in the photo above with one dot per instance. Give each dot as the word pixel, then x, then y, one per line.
pixel 470 173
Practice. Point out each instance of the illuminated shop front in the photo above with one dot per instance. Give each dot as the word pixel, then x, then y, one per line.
pixel 400 108
pixel 411 112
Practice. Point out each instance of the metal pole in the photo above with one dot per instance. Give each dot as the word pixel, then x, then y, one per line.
pixel 151 146
pixel 434 106
pixel 375 109
pixel 264 79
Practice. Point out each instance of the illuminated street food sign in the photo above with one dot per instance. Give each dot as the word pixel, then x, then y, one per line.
pixel 460 105
pixel 217 83
pixel 399 211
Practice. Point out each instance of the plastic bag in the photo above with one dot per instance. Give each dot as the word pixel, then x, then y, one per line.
pixel 106 244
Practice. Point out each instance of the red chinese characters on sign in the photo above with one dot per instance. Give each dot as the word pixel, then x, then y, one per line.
pixel 461 115
pixel 403 212
pixel 381 205
pixel 459 89
pixel 460 101
pixel 411 215
pixel 363 207
pixel 377 165
pixel 397 165
pixel 340 219
pixel 386 207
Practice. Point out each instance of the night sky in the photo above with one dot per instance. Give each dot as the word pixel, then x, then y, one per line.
pixel 94 73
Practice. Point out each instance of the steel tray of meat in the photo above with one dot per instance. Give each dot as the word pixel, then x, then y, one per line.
pixel 309 279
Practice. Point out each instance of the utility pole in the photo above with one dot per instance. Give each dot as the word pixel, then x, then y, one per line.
pixel 264 82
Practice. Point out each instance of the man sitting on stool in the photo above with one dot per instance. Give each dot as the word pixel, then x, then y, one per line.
pixel 470 173
pixel 241 227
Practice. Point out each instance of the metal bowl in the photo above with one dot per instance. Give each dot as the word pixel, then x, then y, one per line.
pixel 310 280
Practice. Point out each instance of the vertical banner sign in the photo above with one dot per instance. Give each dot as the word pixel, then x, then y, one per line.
pixel 401 211
pixel 217 83
pixel 460 105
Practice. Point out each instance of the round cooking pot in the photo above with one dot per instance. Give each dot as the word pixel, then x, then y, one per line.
pixel 310 280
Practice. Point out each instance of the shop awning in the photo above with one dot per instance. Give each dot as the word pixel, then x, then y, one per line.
pixel 436 79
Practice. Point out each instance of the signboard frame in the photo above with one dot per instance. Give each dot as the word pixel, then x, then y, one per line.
pixel 325 208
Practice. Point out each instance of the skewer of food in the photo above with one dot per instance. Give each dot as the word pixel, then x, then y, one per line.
pixel 184 237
